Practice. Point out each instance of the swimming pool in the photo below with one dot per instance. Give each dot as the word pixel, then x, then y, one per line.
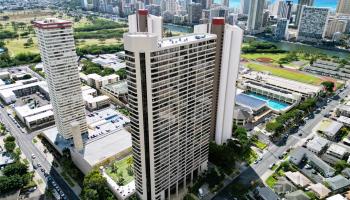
pixel 271 103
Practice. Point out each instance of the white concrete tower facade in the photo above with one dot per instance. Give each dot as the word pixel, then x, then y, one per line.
pixel 170 88
pixel 228 51
pixel 57 50
pixel 142 21
pixel 244 9
pixel 343 7
pixel 300 5
pixel 255 16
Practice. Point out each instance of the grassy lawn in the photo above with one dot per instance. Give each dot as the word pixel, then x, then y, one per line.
pixel 288 74
pixel 16 46
pixel 311 194
pixel 271 181
pixel 90 42
pixel 251 157
pixel 260 144
pixel 26 15
pixel 122 169
pixel 274 167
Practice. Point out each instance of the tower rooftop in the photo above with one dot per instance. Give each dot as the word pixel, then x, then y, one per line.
pixel 51 23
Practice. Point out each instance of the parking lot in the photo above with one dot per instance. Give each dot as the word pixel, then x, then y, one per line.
pixel 34 100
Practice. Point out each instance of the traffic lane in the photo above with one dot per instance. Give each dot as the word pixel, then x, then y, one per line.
pixel 28 149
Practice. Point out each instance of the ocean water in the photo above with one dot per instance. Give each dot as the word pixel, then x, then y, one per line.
pixel 319 3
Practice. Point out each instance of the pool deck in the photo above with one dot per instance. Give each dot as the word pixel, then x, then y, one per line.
pixel 275 105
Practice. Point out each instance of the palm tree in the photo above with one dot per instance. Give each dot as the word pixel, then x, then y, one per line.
pixel 114 168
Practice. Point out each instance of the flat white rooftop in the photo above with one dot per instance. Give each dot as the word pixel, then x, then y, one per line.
pixel 52 21
pixel 27 111
pixel 184 39
pixel 92 99
pixel 283 83
pixel 337 149
pixel 107 146
pixel 98 149
pixel 40 116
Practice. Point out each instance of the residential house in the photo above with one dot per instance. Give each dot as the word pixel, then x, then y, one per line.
pixel 317 145
pixel 338 183
pixel 265 193
pixel 283 186
pixel 346 173
pixel 298 179
pixel 336 197
pixel 329 129
pixel 320 190
pixel 297 195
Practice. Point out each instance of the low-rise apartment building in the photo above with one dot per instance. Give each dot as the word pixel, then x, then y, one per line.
pixel 288 89
pixel 343 110
pixel 97 81
pixel 329 68
pixel 337 151
pixel 92 101
pixel 35 118
pixel 9 93
pixel 317 145
pixel 118 92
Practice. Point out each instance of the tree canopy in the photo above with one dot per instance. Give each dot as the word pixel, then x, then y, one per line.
pixel 95 187
pixel 328 86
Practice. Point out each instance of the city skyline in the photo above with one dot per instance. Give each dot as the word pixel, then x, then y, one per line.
pixel 319 3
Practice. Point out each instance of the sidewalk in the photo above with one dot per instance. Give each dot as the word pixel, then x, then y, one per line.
pixel 50 158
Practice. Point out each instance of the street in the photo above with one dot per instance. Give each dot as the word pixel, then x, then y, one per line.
pixel 28 149
pixel 259 171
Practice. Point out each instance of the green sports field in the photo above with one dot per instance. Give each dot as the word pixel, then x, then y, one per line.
pixel 286 73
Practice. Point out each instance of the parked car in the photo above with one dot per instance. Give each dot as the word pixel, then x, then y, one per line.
pixel 307 166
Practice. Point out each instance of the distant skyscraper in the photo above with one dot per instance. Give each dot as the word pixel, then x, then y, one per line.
pixel 255 16
pixel 84 4
pixel 154 9
pixel 266 18
pixel 171 6
pixel 289 9
pixel 57 50
pixel 335 25
pixel 96 5
pixel 194 13
pixel 170 88
pixel 280 9
pixel 226 3
pixel 232 19
pixel 245 5
pixel 300 5
pixel 218 11
pixel 229 40
pixel 209 3
pixel 281 31
pixel 343 7
pixel 312 25
pixel 202 2
pixel 143 22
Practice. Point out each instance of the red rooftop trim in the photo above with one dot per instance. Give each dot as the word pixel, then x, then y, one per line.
pixel 218 21
pixel 143 12
pixel 52 25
